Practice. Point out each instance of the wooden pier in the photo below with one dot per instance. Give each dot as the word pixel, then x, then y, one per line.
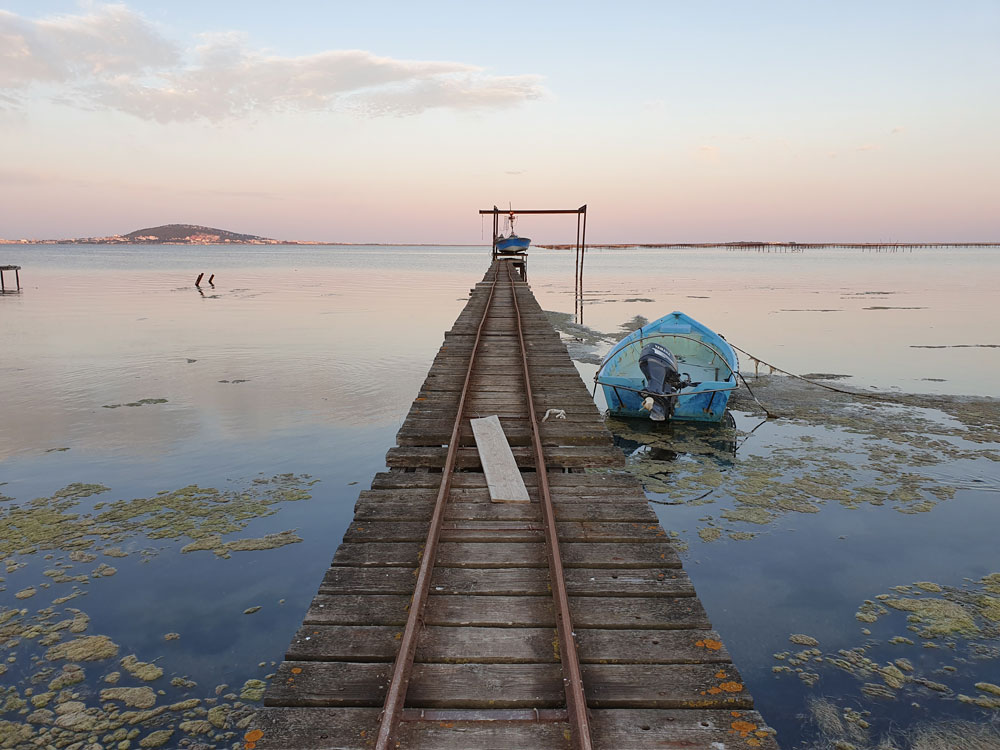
pixel 450 622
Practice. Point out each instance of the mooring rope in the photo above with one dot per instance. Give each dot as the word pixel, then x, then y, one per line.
pixel 775 368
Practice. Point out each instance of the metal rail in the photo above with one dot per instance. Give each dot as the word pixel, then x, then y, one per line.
pixel 403 668
pixel 394 711
pixel 576 701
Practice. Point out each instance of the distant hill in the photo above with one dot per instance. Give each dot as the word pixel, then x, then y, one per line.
pixel 191 234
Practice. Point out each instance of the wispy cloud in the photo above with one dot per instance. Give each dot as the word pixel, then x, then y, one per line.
pixel 897 130
pixel 114 58
pixel 868 147
pixel 110 40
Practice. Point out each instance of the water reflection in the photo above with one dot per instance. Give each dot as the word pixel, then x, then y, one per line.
pixel 305 360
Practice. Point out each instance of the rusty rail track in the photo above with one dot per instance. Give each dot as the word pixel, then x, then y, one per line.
pixel 576 701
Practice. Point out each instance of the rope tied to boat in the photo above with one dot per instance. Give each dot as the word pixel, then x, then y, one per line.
pixel 774 368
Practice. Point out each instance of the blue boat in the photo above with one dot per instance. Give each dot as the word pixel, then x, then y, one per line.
pixel 511 243
pixel 674 368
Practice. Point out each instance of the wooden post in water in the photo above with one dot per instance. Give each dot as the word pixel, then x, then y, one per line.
pixel 17 278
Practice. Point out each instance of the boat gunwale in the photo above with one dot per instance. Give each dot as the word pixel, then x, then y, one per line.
pixel 624 345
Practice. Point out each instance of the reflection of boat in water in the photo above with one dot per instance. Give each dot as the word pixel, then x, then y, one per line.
pixel 673 368
pixel 511 243
pixel 660 442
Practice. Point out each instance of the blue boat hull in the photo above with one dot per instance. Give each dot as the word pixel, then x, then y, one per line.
pixel 701 354
pixel 513 244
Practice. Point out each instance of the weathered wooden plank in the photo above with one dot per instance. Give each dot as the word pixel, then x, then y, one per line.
pixel 431 685
pixel 511 555
pixel 522 581
pixel 418 431
pixel 636 613
pixel 567 456
pixel 377 643
pixel 503 531
pixel 315 728
pixel 574 480
pixel 503 479
pixel 676 686
pixel 625 510
pixel 475 685
pixel 611 729
pixel 692 729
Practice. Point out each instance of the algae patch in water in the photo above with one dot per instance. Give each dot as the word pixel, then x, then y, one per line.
pixel 958 621
pixel 197 513
pixel 222 549
pixel 87 648
pixel 823 448
pixel 69 687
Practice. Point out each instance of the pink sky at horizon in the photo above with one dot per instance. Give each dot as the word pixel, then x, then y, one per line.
pixel 682 129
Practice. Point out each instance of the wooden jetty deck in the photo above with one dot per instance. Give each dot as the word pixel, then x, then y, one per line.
pixel 497 659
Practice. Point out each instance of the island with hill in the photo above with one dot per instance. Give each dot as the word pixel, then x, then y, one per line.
pixel 167 234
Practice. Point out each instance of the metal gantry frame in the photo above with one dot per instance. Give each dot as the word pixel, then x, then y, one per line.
pixel 581 243
pixel 17 278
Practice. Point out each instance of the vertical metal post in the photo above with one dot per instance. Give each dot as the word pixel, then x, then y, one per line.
pixel 583 253
pixel 576 273
pixel 17 278
pixel 496 228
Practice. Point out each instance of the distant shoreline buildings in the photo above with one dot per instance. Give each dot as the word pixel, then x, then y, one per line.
pixel 193 234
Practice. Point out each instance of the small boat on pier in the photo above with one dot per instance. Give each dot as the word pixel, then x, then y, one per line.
pixel 510 244
pixel 674 368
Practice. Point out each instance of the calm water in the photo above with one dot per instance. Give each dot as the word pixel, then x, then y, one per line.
pixel 116 371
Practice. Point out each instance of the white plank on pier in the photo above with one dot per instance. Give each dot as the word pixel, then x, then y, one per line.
pixel 502 475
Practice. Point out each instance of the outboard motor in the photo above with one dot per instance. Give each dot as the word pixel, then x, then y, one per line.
pixel 659 367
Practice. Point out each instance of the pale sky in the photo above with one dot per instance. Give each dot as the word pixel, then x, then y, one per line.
pixel 859 120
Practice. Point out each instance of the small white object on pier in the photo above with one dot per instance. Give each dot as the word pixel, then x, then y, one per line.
pixel 502 475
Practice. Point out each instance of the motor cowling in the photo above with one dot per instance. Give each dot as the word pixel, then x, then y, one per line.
pixel 663 381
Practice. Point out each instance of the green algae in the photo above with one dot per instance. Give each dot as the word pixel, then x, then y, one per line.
pixel 156 739
pixel 844 449
pixel 61 523
pixel 141 670
pixel 223 549
pixel 217 716
pixel 988 687
pixel 954 619
pixel 803 640
pixel 253 690
pixel 53 523
pixel 87 648
pixel 136 697
pixel 748 515
pixel 709 533
pixel 939 616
